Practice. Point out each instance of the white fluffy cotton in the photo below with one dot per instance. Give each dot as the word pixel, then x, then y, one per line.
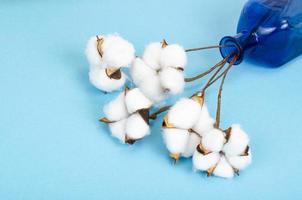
pixel 116 109
pixel 192 143
pixel 237 142
pixel 176 140
pixel 135 100
pixel 224 169
pixel 112 52
pixel 172 80
pixel 118 129
pixel 184 114
pixel 213 140
pixel 157 73
pixel 225 164
pixel 140 71
pixel 92 53
pixel 205 123
pixel 100 80
pixel 152 55
pixel 240 162
pixel 173 56
pixel 136 127
pixel 152 89
pixel 127 122
pixel 204 162
pixel 117 52
pixel 183 117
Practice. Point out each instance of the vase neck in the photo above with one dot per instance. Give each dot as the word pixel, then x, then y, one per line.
pixel 237 45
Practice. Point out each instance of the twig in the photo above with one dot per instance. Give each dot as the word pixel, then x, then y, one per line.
pixel 217 124
pixel 204 48
pixel 204 73
pixel 159 111
pixel 225 60
pixel 220 75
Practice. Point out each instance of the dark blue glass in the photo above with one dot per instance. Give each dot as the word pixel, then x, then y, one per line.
pixel 269 32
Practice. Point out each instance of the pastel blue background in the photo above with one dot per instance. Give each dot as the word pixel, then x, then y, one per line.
pixel 52 146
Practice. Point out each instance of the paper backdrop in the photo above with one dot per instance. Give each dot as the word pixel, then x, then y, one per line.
pixel 52 145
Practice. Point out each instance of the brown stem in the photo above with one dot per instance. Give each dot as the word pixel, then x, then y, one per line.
pixel 204 48
pixel 100 42
pixel 225 60
pixel 159 111
pixel 217 124
pixel 204 73
pixel 220 75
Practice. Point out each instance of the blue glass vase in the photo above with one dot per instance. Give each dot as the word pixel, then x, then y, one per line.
pixel 269 32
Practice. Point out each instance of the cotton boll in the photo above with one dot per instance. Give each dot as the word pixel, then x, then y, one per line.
pixel 93 67
pixel 224 169
pixel 237 142
pixel 117 52
pixel 100 80
pixel 204 162
pixel 140 71
pixel 184 113
pixel 213 140
pixel 173 56
pixel 193 142
pixel 136 127
pixel 172 80
pixel 135 100
pixel 152 89
pixel 152 54
pixel 205 123
pixel 176 140
pixel 240 162
pixel 116 109
pixel 118 129
pixel 92 53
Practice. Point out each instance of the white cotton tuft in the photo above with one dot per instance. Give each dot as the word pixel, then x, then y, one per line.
pixel 118 129
pixel 152 55
pixel 176 140
pixel 205 123
pixel 92 53
pixel 135 100
pixel 117 52
pixel 136 127
pixel 140 71
pixel 116 109
pixel 100 80
pixel 172 80
pixel 173 56
pixel 152 89
pixel 224 169
pixel 240 162
pixel 184 113
pixel 193 142
pixel 237 142
pixel 213 140
pixel 204 162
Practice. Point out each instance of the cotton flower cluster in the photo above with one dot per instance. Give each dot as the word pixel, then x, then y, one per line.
pixel 223 154
pixel 128 116
pixel 189 130
pixel 106 56
pixel 184 125
pixel 160 70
